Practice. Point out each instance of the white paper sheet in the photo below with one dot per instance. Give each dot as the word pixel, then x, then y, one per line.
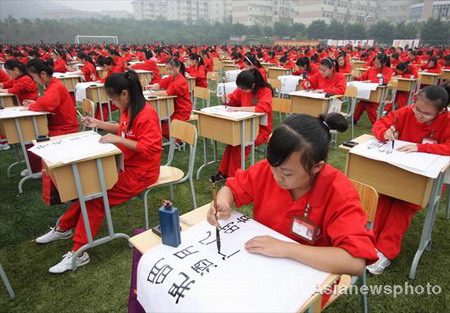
pixel 288 83
pixel 12 112
pixel 425 164
pixel 222 111
pixel 230 87
pixel 364 89
pixel 231 76
pixel 80 90
pixel 236 282
pixel 72 148
pixel 309 94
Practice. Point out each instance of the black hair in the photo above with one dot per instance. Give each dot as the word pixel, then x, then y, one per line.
pixel 249 59
pixel 330 63
pixel 60 53
pixel 436 95
pixel 434 59
pixel 304 133
pixel 84 56
pixel 148 54
pixel 395 55
pixel 114 52
pixel 402 66
pixel 447 58
pixel 178 64
pixel 117 82
pixel 36 66
pixel 50 62
pixel 252 79
pixel 12 64
pixel 102 61
pixel 283 59
pixel 198 58
pixel 446 86
pixel 383 58
pixel 304 62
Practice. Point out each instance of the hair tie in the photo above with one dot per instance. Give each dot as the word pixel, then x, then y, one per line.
pixel 326 125
pixel 251 63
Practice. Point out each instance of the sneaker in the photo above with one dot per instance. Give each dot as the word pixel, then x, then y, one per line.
pixel 4 146
pixel 217 177
pixel 54 235
pixel 66 263
pixel 24 173
pixel 379 266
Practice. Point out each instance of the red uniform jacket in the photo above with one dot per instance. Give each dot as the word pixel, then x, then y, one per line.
pixel 178 86
pixel 147 133
pixel 334 202
pixel 346 69
pixel 149 65
pixel 263 72
pixel 372 72
pixel 413 131
pixel 88 69
pixel 60 66
pixel 336 84
pixel 436 69
pixel 115 69
pixel 264 105
pixel 209 64
pixel 313 69
pixel 24 87
pixel 200 75
pixel 57 100
pixel 3 76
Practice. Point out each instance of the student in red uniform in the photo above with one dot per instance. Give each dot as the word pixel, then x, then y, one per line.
pixel 286 63
pixel 251 62
pixel 197 69
pixel 293 181
pixel 139 137
pixel 446 62
pixel 175 84
pixel 56 100
pixel 328 79
pixel 426 125
pixel 89 71
pixel 404 70
pixel 21 84
pixel 118 60
pixel 108 65
pixel 344 66
pixel 382 67
pixel 149 65
pixel 209 64
pixel 432 66
pixel 305 68
pixel 59 64
pixel 394 59
pixel 3 76
pixel 252 95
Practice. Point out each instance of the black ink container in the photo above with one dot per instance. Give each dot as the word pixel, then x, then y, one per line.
pixel 170 224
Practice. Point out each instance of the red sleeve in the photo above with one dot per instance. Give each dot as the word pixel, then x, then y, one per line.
pixel 234 99
pixel 3 76
pixel 241 185
pixel 49 101
pixel 8 84
pixel 340 85
pixel 176 89
pixel 164 83
pixel 264 104
pixel 442 148
pixel 313 80
pixel 148 135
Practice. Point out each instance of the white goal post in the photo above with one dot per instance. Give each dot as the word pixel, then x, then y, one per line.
pixel 96 39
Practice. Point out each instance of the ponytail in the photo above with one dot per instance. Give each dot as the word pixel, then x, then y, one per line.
pixel 252 79
pixel 117 82
pixel 304 62
pixel 196 57
pixel 330 63
pixel 178 64
pixel 102 61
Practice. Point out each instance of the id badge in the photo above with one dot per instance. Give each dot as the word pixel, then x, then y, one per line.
pixel 429 140
pixel 304 228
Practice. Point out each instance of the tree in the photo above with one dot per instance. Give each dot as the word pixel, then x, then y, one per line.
pixel 382 32
pixel 317 30
pixel 355 31
pixel 435 32
pixel 281 29
pixel 406 31
pixel 336 30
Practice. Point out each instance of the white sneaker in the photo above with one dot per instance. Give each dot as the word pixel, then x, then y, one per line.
pixel 24 173
pixel 66 263
pixel 4 146
pixel 54 235
pixel 379 266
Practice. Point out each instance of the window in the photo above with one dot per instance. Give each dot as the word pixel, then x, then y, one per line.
pixel 440 10
pixel 416 13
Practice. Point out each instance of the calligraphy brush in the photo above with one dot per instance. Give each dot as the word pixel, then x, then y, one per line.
pixel 215 206
pixel 395 131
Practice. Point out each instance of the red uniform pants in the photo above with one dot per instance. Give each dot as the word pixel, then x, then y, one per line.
pixel 231 160
pixel 391 222
pixel 369 107
pixel 128 185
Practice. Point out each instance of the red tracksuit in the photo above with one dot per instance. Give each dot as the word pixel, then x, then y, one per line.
pixel 88 71
pixel 436 69
pixel 313 69
pixel 371 107
pixel 336 84
pixel 177 86
pixel 393 216
pixel 200 75
pixel 60 66
pixel 149 65
pixel 3 76
pixel 231 160
pixel 401 97
pixel 346 69
pixel 24 87
pixel 63 119
pixel 208 64
pixel 141 171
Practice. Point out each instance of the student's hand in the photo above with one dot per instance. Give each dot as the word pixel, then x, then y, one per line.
pixel 28 102
pixel 90 122
pixel 225 100
pixel 232 109
pixel 3 90
pixel 110 138
pixel 307 84
pixel 266 245
pixel 391 134
pixel 24 108
pixel 319 90
pixel 222 212
pixel 409 148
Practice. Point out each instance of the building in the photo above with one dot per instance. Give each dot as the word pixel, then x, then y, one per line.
pixel 263 12
pixel 394 11
pixel 422 10
pixel 69 13
pixel 351 11
pixel 116 13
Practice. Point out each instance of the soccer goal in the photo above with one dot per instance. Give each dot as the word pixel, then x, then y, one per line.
pixel 96 39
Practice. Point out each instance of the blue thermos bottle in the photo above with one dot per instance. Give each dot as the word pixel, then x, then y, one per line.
pixel 170 224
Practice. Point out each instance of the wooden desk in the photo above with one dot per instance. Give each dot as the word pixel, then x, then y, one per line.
pixel 310 106
pixel 191 85
pixel 267 65
pixel 97 94
pixel 274 72
pixel 426 78
pixel 145 76
pixel 162 69
pixel 358 71
pixel 348 76
pixel 148 240
pixel 8 100
pixel 445 75
pixel 164 106
pixel 20 131
pixel 229 67
pixel 407 85
pixel 387 179
pixel 357 64
pixel 70 81
pixel 87 179
pixel 230 131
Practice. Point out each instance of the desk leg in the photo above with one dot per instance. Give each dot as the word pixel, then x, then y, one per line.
pixel 82 198
pixel 168 120
pixel 425 239
pixel 243 145
pixel 18 161
pixel 252 136
pixel 447 206
pixel 7 283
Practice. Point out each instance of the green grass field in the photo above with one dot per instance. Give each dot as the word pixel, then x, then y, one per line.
pixel 103 285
